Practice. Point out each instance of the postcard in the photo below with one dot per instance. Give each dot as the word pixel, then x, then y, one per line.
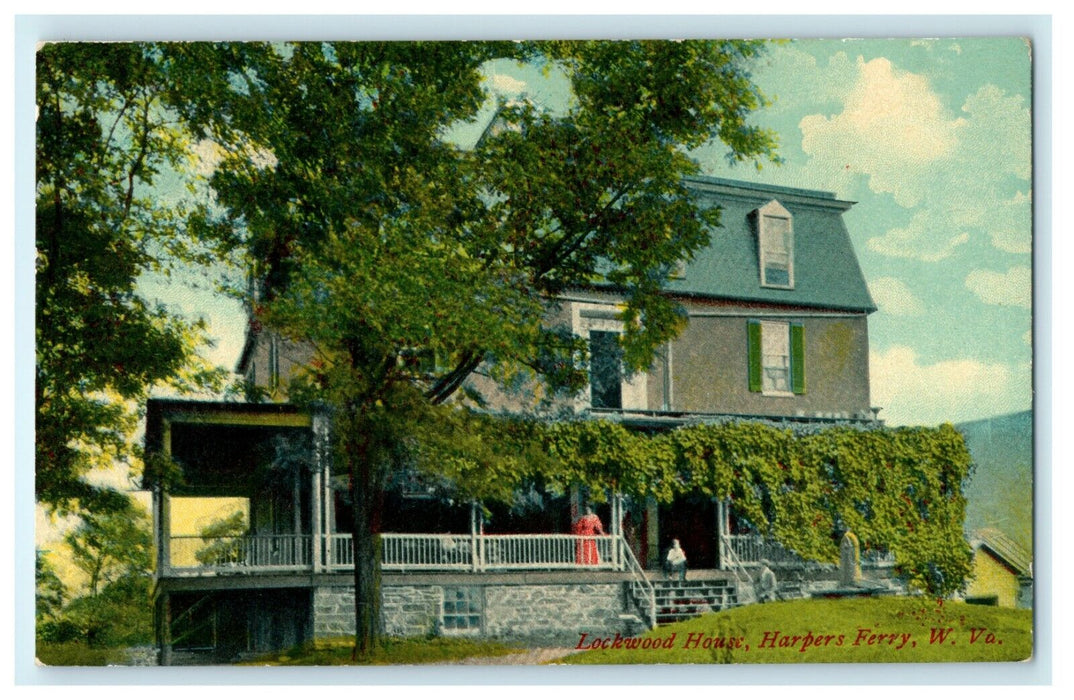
pixel 534 352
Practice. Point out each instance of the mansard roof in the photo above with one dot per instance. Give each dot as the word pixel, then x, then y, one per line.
pixel 826 270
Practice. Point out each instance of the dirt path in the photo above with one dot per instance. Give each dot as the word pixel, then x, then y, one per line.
pixel 530 657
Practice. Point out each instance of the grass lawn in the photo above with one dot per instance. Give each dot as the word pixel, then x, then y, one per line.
pixel 78 654
pixel 337 652
pixel 851 630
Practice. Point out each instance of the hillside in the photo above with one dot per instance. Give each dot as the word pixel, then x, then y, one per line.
pixel 1000 492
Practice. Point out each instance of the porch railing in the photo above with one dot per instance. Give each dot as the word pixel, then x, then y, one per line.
pixel 752 549
pixel 448 552
pixel 640 586
pixel 247 552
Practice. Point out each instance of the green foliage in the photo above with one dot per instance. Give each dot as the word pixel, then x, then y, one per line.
pixel 224 545
pixel 897 489
pixel 49 591
pixel 104 140
pixel 120 616
pixel 111 545
pixel 72 653
pixel 113 549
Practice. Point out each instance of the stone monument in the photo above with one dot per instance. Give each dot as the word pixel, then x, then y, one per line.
pixel 849 561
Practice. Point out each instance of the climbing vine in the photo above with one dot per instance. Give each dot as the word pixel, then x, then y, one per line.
pixel 898 489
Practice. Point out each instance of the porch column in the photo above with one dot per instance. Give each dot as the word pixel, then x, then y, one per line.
pixel 317 519
pixel 321 501
pixel 723 530
pixel 165 629
pixel 476 555
pixel 163 503
pixel 616 530
pixel 164 554
pixel 575 503
pixel 652 534
pixel 296 501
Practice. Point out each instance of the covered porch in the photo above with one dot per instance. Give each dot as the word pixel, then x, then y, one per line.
pixel 255 494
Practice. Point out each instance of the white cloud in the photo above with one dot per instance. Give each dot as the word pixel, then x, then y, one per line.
pixel 997 133
pixel 892 128
pixel 913 393
pixel 1011 288
pixel 957 165
pixel 931 236
pixel 894 297
pixel 1010 224
pixel 506 85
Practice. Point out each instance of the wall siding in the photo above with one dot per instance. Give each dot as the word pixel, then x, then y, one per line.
pixel 710 369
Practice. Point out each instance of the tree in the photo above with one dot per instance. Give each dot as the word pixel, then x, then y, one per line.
pixel 49 591
pixel 408 262
pixel 113 550
pixel 111 545
pixel 105 141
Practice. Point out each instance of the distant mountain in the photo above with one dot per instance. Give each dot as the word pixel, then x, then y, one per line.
pixel 1000 491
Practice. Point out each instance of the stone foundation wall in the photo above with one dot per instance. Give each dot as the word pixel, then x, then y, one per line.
pixel 553 612
pixel 410 611
pixel 546 612
pixel 333 611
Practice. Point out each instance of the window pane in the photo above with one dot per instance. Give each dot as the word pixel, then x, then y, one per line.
pixel 777 275
pixel 776 250
pixel 776 357
pixel 462 609
pixel 605 370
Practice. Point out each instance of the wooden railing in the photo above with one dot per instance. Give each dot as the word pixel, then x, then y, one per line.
pixel 640 586
pixel 194 553
pixel 752 549
pixel 454 552
pixel 546 552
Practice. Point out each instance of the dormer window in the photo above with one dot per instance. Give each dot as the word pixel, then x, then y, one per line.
pixel 775 237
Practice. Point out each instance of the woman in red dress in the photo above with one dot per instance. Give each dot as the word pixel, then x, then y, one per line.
pixel 587 526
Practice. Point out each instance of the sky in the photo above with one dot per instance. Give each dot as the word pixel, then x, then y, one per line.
pixel 932 140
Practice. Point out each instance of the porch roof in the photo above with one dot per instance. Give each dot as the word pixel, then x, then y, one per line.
pixel 162 413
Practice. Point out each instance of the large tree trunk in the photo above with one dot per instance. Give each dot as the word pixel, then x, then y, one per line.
pixel 367 555
pixel 367 484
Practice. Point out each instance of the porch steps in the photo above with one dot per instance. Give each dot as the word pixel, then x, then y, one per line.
pixel 681 600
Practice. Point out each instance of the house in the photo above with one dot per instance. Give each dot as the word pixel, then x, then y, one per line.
pixel 251 538
pixel 1002 571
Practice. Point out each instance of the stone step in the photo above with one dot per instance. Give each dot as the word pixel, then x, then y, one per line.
pixel 681 600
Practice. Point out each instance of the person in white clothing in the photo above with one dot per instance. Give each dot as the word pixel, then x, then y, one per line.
pixel 675 562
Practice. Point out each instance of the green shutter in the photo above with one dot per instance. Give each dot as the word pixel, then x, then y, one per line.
pixel 798 384
pixel 753 334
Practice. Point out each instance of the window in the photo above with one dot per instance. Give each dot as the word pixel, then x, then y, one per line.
pixel 775 235
pixel 605 370
pixel 776 357
pixel 611 386
pixel 461 611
